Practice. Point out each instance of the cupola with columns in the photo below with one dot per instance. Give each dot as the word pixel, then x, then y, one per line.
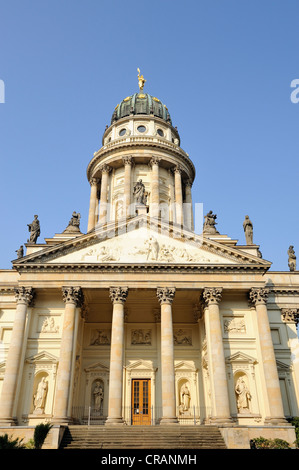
pixel 140 146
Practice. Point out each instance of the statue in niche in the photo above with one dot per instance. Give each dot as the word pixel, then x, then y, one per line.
pixel 243 395
pixel 248 229
pixel 40 396
pixel 34 229
pixel 152 248
pixel 185 398
pixel 98 395
pixel 74 223
pixel 210 222
pixel 20 252
pixel 292 258
pixel 139 192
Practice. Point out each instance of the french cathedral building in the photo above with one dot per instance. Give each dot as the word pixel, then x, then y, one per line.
pixel 138 320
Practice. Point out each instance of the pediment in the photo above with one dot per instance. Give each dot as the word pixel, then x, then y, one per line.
pixel 140 365
pixel 185 366
pixel 42 357
pixel 97 367
pixel 240 357
pixel 141 242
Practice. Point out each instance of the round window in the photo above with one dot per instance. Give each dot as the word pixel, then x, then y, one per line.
pixel 141 128
pixel 160 132
pixel 122 131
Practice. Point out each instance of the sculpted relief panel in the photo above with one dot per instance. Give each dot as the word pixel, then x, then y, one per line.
pixel 234 325
pixel 142 246
pixel 182 337
pixel 100 337
pixel 140 336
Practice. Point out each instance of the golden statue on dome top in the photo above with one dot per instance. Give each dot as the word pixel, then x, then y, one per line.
pixel 141 80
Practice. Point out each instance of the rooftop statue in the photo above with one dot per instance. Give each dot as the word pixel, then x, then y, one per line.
pixel 34 229
pixel 141 80
pixel 248 229
pixel 74 223
pixel 292 258
pixel 20 252
pixel 209 224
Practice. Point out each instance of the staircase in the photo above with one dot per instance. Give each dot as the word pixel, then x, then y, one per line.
pixel 142 437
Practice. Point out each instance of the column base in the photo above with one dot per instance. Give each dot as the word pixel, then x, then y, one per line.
pixel 167 421
pixel 115 422
pixel 276 421
pixel 63 420
pixel 221 420
pixel 7 422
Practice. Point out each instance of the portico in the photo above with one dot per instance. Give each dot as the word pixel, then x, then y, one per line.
pixel 140 320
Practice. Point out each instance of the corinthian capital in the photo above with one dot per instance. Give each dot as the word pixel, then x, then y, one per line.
pixel 258 295
pixel 118 294
pixel 165 294
pixel 212 295
pixel 154 161
pixel 105 168
pixel 24 295
pixel 93 181
pixel 178 169
pixel 127 160
pixel 73 295
pixel 290 315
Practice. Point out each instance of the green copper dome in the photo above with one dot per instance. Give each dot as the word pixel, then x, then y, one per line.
pixel 141 103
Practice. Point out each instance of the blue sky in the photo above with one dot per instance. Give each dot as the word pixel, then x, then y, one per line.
pixel 223 68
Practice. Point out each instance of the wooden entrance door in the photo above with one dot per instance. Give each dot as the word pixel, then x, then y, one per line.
pixel 141 401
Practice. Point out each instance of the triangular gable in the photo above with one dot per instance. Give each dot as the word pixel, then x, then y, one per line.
pixel 240 357
pixel 97 367
pixel 141 241
pixel 140 365
pixel 42 357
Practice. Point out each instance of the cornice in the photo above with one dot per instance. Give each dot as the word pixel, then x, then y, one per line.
pixel 136 142
pixel 142 267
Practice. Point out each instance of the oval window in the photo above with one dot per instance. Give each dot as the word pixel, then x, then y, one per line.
pixel 160 132
pixel 141 128
pixel 122 131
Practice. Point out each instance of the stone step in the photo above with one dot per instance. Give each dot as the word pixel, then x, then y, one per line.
pixel 142 437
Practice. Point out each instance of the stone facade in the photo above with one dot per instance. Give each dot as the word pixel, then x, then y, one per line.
pixel 142 321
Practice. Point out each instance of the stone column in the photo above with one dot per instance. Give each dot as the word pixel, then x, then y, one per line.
pixel 258 297
pixel 24 297
pixel 220 398
pixel 155 192
pixel 171 198
pixel 118 296
pixel 165 296
pixel 92 204
pixel 73 298
pixel 178 195
pixel 188 210
pixel 105 169
pixel 127 160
